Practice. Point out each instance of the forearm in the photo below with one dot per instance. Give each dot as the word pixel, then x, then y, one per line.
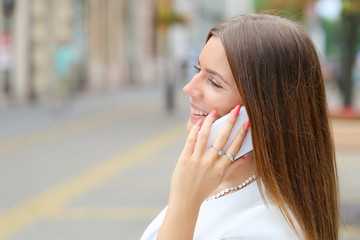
pixel 198 172
pixel 179 223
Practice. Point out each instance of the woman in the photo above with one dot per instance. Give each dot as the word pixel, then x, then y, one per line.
pixel 270 65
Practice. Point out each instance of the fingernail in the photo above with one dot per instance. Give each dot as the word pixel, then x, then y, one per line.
pixel 247 125
pixel 243 158
pixel 199 122
pixel 213 113
pixel 236 111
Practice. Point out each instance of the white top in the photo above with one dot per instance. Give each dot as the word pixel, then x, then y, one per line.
pixel 239 215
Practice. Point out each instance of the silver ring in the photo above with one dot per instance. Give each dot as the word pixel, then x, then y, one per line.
pixel 220 152
pixel 230 157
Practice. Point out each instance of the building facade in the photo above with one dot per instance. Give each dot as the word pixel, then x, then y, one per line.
pixel 99 45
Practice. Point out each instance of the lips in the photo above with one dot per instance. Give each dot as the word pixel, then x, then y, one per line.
pixel 197 114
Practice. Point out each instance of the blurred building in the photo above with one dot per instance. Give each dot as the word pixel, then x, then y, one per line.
pixel 99 45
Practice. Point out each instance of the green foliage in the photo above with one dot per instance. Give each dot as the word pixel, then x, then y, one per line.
pixel 332 34
pixel 351 7
pixel 293 10
pixel 260 4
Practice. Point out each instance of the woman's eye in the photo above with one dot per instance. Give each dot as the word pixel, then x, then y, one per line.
pixel 212 82
pixel 197 69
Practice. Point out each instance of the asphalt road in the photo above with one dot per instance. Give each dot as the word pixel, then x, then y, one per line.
pixel 99 167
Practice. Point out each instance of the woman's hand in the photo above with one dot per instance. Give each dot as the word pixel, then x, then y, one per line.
pixel 198 172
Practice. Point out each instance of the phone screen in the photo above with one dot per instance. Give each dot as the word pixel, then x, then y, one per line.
pixel 217 125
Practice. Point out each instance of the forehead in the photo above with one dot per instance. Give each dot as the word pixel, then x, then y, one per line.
pixel 214 51
pixel 213 56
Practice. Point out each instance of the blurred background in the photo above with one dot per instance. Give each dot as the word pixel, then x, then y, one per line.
pixel 92 114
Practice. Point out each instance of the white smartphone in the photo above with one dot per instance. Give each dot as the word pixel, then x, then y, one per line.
pixel 217 125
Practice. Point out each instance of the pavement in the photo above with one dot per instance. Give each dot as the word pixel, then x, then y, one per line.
pixel 99 166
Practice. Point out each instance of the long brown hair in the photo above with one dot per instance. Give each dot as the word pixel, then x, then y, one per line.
pixel 279 77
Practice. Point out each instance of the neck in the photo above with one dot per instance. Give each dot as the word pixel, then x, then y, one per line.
pixel 237 173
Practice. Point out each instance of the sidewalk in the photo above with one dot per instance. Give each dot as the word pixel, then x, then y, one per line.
pixel 24 118
pixel 98 170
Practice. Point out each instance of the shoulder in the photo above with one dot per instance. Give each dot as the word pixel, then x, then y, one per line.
pixel 259 221
pixel 152 230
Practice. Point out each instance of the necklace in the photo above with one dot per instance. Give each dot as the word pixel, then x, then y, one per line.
pixel 227 190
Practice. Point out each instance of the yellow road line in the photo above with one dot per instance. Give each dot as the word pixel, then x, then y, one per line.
pixel 52 201
pixel 108 213
pixel 76 126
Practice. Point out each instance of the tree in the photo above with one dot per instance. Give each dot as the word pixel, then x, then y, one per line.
pixel 348 32
pixel 350 20
pixel 292 9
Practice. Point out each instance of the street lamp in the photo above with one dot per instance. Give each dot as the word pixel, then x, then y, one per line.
pixel 8 9
pixel 8 6
pixel 165 16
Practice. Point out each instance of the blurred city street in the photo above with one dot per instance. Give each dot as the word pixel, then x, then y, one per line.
pixel 99 167
pixel 88 135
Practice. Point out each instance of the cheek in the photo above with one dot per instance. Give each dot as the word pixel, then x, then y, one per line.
pixel 224 105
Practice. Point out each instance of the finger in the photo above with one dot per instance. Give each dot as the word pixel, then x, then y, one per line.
pixel 204 132
pixel 236 144
pixel 225 132
pixel 191 139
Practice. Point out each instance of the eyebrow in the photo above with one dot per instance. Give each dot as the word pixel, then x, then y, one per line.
pixel 214 73
pixel 217 74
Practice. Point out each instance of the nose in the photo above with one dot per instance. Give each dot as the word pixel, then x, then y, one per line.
pixel 193 88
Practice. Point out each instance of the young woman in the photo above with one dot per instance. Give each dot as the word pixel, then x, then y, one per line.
pixel 269 65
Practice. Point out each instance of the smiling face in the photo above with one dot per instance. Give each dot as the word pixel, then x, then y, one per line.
pixel 213 86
